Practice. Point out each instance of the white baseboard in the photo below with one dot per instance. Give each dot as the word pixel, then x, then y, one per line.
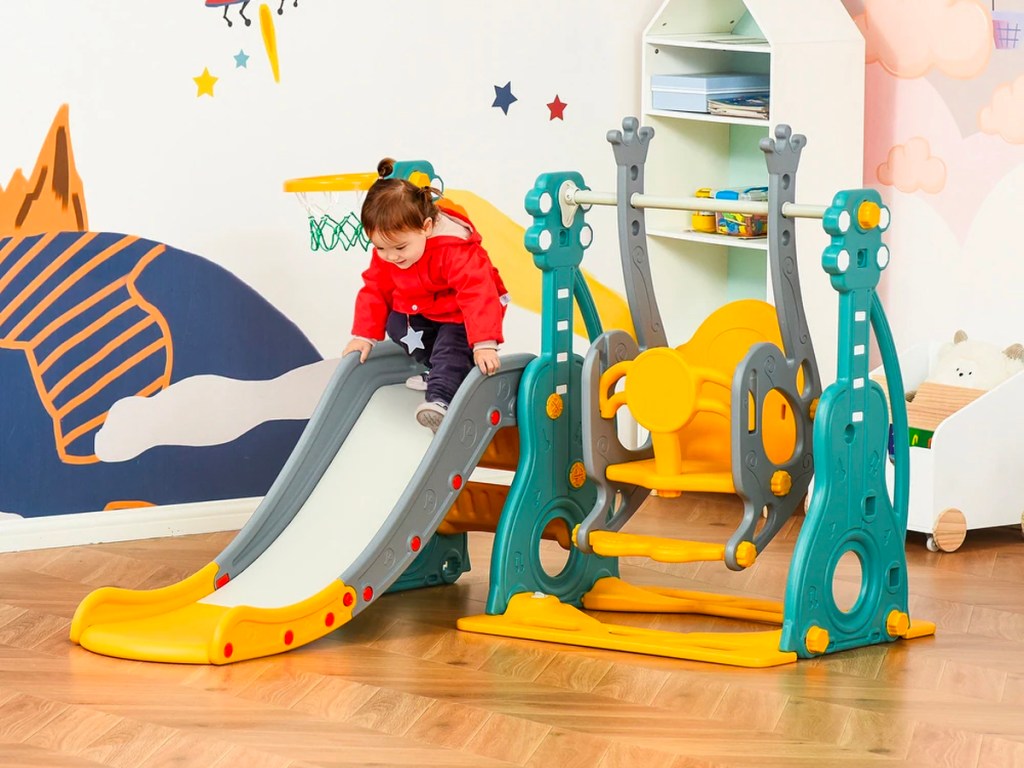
pixel 19 534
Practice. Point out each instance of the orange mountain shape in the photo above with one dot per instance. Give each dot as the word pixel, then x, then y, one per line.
pixel 53 200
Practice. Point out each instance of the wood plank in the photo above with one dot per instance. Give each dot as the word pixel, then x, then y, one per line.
pixel 400 686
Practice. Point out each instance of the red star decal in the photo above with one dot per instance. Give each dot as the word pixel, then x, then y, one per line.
pixel 557 107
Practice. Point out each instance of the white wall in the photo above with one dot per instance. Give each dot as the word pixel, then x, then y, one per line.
pixel 358 81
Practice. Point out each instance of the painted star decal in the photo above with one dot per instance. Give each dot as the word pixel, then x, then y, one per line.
pixel 241 59
pixel 557 107
pixel 204 83
pixel 503 97
pixel 413 340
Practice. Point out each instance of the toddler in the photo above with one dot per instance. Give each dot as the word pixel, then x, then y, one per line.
pixel 431 287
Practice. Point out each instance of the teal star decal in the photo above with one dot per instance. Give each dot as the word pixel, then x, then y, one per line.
pixel 241 59
pixel 503 96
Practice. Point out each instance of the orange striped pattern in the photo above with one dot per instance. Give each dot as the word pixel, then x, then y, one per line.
pixel 84 327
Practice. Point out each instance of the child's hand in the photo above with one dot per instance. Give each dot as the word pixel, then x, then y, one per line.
pixel 487 360
pixel 360 345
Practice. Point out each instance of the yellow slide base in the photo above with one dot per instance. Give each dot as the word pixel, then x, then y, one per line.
pixel 543 617
pixel 198 633
pixel 615 544
pixel 611 594
pixel 111 604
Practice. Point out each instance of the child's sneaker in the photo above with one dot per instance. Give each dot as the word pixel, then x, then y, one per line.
pixel 417 382
pixel 431 414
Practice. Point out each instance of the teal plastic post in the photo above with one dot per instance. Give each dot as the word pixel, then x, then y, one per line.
pixel 850 508
pixel 550 482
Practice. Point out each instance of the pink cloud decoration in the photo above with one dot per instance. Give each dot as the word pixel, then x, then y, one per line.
pixel 909 37
pixel 911 166
pixel 1004 114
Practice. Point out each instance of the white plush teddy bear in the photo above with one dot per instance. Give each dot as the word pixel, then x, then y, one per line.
pixel 975 364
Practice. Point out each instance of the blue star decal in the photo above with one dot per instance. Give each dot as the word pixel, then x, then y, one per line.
pixel 503 96
pixel 241 59
pixel 413 340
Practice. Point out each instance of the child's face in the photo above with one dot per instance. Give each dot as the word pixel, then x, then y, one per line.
pixel 404 248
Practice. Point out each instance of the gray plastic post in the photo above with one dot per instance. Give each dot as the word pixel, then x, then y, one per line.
pixel 766 367
pixel 616 502
pixel 630 149
pixel 782 156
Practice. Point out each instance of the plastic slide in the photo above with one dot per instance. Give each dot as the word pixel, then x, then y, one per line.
pixel 361 495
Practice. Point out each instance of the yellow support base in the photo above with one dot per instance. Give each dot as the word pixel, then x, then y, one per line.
pixel 543 617
pixel 611 594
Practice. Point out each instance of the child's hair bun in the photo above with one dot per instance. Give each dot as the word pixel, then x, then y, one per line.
pixel 386 167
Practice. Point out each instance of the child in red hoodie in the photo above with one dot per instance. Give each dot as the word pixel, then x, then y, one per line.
pixel 431 287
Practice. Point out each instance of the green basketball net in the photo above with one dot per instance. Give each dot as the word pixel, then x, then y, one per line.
pixel 332 205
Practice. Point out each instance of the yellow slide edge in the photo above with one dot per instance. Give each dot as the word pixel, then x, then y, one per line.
pixel 108 605
pixel 249 633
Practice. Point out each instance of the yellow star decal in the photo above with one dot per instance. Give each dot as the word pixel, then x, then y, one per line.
pixel 204 83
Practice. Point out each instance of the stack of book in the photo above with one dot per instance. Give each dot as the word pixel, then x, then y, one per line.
pixel 753 105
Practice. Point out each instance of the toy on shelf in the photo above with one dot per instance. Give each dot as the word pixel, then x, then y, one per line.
pixel 731 385
pixel 732 223
pixel 965 418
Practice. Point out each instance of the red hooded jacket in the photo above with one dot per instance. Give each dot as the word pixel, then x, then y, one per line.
pixel 454 282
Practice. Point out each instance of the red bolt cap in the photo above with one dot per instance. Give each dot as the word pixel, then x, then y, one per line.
pixel 415 543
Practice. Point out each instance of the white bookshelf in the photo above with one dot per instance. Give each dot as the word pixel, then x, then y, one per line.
pixel 814 57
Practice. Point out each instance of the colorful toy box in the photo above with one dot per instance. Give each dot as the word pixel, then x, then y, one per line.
pixel 735 224
pixel 690 93
pixel 742 224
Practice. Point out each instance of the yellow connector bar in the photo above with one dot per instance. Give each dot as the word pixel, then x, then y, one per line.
pixel 543 617
pixel 615 544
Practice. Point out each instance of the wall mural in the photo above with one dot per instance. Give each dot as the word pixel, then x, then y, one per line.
pixel 130 373
pixel 206 81
pixel 945 100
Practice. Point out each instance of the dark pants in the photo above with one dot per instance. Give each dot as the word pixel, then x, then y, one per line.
pixel 446 352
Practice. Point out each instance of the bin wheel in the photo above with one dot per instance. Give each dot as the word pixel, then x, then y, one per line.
pixel 949 531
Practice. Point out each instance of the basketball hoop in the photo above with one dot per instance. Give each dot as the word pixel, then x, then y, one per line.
pixel 332 205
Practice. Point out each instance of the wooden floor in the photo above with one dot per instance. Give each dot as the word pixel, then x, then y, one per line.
pixel 400 686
